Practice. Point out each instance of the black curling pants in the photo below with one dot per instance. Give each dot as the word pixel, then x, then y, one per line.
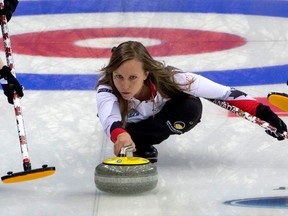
pixel 177 116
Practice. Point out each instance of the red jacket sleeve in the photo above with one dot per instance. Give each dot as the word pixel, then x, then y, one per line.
pixel 249 106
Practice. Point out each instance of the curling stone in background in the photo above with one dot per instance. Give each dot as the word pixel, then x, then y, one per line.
pixel 126 175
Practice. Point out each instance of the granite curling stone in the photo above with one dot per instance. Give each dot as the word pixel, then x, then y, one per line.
pixel 126 175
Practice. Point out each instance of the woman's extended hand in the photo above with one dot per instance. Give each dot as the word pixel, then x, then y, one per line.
pixel 123 139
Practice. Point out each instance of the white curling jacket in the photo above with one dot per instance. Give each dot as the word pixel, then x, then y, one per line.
pixel 109 112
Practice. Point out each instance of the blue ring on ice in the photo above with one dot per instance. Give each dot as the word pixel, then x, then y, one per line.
pixel 261 202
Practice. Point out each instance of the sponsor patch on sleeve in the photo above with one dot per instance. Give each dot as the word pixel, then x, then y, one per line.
pixel 105 90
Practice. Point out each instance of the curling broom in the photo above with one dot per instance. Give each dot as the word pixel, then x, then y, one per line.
pixel 279 100
pixel 28 173
pixel 247 116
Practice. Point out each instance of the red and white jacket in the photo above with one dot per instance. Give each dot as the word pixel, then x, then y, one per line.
pixel 109 112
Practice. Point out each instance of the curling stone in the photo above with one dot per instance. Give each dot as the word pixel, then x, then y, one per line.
pixel 126 175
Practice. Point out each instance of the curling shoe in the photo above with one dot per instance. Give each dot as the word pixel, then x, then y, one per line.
pixel 149 153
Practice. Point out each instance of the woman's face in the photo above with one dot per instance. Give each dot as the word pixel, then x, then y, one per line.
pixel 129 78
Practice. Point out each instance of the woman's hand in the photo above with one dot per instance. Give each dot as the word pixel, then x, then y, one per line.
pixel 123 139
pixel 265 113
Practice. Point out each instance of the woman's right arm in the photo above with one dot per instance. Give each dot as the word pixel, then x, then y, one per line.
pixel 110 118
pixel 107 107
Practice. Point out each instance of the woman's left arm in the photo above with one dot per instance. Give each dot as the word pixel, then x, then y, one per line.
pixel 203 87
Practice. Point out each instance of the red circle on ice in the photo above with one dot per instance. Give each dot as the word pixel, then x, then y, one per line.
pixel 62 43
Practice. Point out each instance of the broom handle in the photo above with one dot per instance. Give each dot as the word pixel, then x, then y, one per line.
pixel 16 98
pixel 246 116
